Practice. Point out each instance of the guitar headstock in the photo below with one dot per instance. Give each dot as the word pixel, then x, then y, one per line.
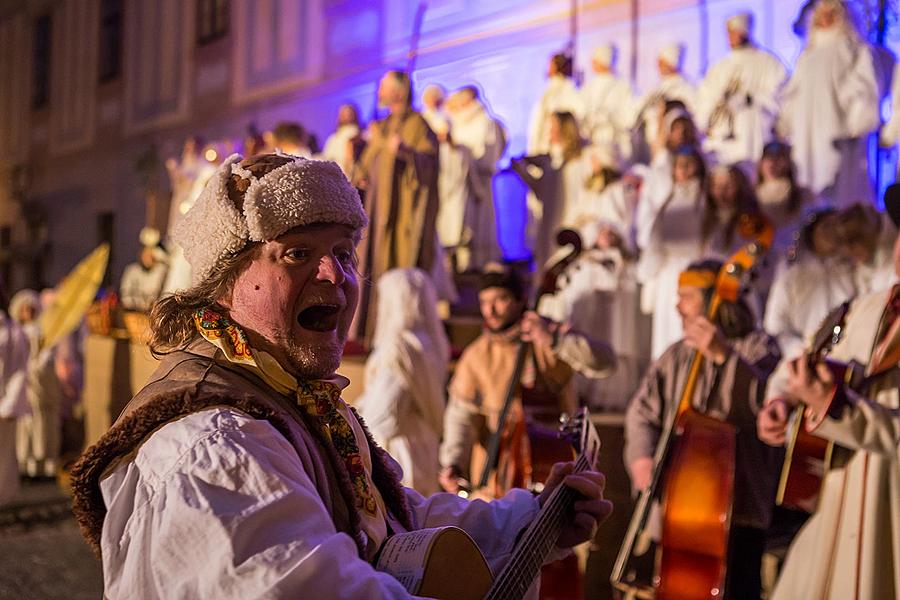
pixel 582 435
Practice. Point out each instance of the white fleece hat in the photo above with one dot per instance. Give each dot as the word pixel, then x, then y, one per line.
pixel 301 192
pixel 672 55
pixel 741 23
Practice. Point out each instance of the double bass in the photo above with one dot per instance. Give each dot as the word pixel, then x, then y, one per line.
pixel 696 455
pixel 510 458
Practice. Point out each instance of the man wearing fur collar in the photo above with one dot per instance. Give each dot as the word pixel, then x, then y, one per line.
pixel 238 471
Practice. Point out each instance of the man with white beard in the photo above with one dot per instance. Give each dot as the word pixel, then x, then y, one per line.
pixel 560 95
pixel 830 107
pixel 433 106
pixel 737 102
pixel 608 106
pixel 485 137
pixel 672 87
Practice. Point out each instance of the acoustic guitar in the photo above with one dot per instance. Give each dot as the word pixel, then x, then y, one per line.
pixel 807 456
pixel 445 563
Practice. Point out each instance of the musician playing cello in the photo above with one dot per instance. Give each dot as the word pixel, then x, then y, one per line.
pixel 482 376
pixel 738 360
pixel 850 547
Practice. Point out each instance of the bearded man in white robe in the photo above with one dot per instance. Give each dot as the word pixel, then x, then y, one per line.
pixel 830 107
pixel 608 108
pixel 737 102
pixel 485 137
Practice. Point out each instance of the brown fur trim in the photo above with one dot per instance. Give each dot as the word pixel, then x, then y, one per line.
pixel 125 435
pixel 87 501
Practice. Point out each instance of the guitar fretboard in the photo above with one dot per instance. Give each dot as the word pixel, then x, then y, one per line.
pixel 536 542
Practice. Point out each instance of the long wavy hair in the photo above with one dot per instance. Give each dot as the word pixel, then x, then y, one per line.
pixel 745 203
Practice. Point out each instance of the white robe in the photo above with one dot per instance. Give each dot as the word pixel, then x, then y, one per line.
pixel 608 114
pixel 673 241
pixel 337 147
pixel 829 107
pixel 14 349
pixel 218 505
pixel 39 434
pixel 560 95
pixel 670 87
pixel 403 404
pixel 802 294
pixel 754 76
pixel 485 137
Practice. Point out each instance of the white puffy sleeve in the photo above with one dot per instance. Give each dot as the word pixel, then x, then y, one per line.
pixel 218 505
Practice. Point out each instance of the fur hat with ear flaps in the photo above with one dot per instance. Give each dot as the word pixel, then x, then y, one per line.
pixel 300 192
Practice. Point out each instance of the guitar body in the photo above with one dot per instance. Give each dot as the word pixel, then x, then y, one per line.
pixel 443 563
pixel 806 459
pixel 697 510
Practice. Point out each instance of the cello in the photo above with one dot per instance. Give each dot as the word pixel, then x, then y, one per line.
pixel 697 454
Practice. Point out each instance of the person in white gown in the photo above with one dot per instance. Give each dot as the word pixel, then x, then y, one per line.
pixel 485 137
pixel 559 181
pixel 608 101
pixel 14 348
pixel 737 102
pixel 559 95
pixel 460 190
pixel 339 145
pixel 433 105
pixel 815 279
pixel 669 240
pixel 673 87
pixel 784 201
pixel 403 402
pixel 830 106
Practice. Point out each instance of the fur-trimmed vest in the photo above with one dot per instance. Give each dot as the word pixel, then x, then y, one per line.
pixel 192 380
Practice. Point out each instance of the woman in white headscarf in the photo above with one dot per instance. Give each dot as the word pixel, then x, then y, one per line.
pixel 403 403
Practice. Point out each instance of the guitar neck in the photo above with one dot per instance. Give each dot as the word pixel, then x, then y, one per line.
pixel 536 543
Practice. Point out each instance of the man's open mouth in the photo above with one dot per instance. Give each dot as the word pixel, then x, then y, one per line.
pixel 320 317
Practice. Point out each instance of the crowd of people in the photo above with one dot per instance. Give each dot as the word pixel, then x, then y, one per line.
pixel 252 292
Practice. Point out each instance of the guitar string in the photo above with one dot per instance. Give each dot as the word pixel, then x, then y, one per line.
pixel 522 570
pixel 537 540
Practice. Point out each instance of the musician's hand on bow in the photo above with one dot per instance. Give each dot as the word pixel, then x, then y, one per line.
pixel 772 420
pixel 538 330
pixel 704 336
pixel 590 509
pixel 451 479
pixel 814 387
pixel 641 472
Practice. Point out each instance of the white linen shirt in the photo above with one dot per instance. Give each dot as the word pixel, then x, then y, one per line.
pixel 217 505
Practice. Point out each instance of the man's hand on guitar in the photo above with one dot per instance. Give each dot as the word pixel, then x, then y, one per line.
pixel 590 509
pixel 814 387
pixel 771 423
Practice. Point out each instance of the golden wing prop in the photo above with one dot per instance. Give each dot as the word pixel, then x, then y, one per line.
pixel 74 296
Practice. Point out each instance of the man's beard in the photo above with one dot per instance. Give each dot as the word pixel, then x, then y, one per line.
pixel 508 324
pixel 312 360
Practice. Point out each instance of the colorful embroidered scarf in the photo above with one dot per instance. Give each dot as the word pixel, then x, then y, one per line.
pixel 319 399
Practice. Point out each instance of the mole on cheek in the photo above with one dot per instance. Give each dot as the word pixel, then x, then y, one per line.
pixel 256 287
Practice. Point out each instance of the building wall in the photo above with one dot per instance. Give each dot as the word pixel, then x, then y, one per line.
pixel 291 59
